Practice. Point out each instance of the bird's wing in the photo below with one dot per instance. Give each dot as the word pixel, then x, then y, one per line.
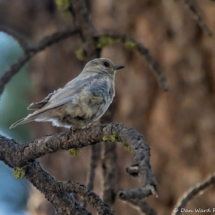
pixel 38 105
pixel 82 86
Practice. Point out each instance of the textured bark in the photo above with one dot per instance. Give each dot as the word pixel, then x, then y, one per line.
pixel 15 155
pixel 18 156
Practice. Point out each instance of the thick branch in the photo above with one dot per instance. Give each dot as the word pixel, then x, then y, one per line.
pixel 31 51
pixel 20 155
pixel 63 202
pixel 132 43
pixel 199 189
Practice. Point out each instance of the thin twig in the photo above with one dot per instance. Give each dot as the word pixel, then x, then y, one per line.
pixel 109 167
pixel 95 154
pixel 31 51
pixel 134 194
pixel 197 16
pixel 132 43
pixel 88 30
pixel 199 189
pixel 21 39
pixel 109 164
pixel 142 206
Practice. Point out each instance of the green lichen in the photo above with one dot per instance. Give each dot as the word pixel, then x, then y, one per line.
pixel 109 138
pixel 18 173
pixel 63 6
pixel 130 44
pixel 74 152
pixel 127 148
pixel 80 54
pixel 104 41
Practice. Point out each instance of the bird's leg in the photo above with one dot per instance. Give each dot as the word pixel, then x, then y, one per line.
pixel 73 130
pixel 91 125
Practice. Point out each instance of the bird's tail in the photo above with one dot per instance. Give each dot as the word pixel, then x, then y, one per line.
pixel 23 121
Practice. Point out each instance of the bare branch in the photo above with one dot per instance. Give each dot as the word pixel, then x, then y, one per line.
pixel 135 193
pixel 19 155
pixel 87 29
pixel 142 206
pixel 91 197
pixel 109 164
pixel 95 154
pixel 63 202
pixel 132 43
pixel 197 16
pixel 21 39
pixel 55 191
pixel 31 51
pixel 199 189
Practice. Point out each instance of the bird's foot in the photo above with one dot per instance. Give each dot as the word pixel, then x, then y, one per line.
pixel 74 130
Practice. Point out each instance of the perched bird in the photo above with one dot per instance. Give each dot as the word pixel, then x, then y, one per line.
pixel 82 101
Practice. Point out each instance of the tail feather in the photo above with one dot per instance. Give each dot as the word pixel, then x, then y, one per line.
pixel 22 121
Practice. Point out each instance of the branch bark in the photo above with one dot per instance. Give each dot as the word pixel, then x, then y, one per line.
pixel 33 50
pixel 15 155
pixel 199 189
pixel 197 17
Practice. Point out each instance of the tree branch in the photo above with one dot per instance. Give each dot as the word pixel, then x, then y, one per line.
pixel 16 155
pixel 33 50
pixel 142 206
pixel 95 153
pixel 197 16
pixel 63 202
pixel 88 30
pixel 91 197
pixel 108 38
pixel 199 189
pixel 21 39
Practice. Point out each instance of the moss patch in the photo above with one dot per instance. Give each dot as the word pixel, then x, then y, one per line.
pixel 18 173
pixel 109 138
pixel 63 6
pixel 104 41
pixel 127 148
pixel 130 44
pixel 80 54
pixel 75 152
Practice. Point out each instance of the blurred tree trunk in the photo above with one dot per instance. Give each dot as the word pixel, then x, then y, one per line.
pixel 179 125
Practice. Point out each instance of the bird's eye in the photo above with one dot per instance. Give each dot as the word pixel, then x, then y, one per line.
pixel 106 64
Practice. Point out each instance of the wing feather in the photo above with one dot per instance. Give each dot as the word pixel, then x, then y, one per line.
pixel 76 87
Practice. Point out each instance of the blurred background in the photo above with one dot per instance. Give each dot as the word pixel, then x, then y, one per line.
pixel 179 125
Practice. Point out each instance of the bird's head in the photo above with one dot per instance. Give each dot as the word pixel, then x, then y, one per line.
pixel 102 65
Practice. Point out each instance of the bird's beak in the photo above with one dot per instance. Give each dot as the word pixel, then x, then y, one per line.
pixel 119 67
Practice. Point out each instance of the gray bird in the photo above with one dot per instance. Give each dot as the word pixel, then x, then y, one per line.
pixel 82 101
